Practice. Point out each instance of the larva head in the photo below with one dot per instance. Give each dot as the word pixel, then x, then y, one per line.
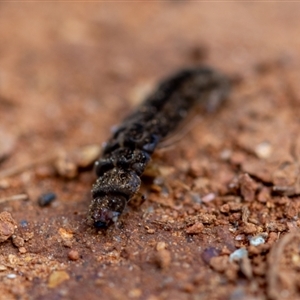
pixel 105 210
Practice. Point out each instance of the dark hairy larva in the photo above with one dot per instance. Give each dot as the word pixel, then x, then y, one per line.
pixel 129 150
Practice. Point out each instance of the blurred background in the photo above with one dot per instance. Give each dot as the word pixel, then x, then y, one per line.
pixel 68 69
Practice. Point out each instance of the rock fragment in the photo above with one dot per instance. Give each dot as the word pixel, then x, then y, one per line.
pixel 7 226
pixel 57 277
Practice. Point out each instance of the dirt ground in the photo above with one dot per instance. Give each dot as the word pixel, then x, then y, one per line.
pixel 222 211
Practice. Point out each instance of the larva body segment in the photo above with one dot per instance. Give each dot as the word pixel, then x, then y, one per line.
pixel 127 153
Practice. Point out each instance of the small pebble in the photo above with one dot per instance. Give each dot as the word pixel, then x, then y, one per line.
pixel 163 259
pixel 73 255
pixel 195 228
pixel 86 156
pixel 23 223
pixel 11 276
pixel 257 240
pixel 237 255
pixel 18 241
pixel 67 237
pixel 249 228
pixel 161 246
pixel 240 237
pixel 226 154
pixel 65 233
pixel 135 293
pixel 57 277
pixel 3 268
pixel 28 235
pixel 225 208
pixel 248 187
pixel 263 150
pixel 219 263
pixel 22 250
pixel 46 199
pixel 7 226
pixel 209 197
pixel 65 167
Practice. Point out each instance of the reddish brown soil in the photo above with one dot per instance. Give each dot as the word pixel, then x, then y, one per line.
pixel 69 72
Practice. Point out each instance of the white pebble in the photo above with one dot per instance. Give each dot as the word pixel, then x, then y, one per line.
pixel 209 197
pixel 237 255
pixel 263 150
pixel 226 154
pixel 240 237
pixel 257 240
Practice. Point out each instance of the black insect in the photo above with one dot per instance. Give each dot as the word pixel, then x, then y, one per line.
pixel 127 153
